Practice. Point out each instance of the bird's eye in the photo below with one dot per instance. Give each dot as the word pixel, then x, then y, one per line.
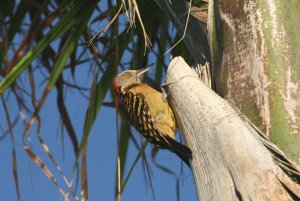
pixel 127 74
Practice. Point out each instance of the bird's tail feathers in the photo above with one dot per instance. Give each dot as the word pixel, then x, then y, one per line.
pixel 180 150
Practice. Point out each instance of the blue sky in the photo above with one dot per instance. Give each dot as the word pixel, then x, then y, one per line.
pixel 102 156
pixel 34 185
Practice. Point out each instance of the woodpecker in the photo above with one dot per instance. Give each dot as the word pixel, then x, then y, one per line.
pixel 149 112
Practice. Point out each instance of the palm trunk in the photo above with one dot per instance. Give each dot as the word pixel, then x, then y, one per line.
pixel 232 160
pixel 254 55
pixel 259 68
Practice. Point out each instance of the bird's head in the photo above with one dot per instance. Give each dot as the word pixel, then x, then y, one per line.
pixel 127 78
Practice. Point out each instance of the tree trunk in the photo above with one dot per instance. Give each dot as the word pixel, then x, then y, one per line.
pixel 232 160
pixel 254 55
pixel 258 70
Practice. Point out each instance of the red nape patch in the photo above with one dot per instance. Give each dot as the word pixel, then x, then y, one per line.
pixel 116 87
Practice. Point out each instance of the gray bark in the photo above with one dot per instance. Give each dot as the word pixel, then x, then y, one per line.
pixel 232 159
pixel 258 70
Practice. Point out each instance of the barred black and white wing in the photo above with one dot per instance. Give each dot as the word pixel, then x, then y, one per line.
pixel 137 108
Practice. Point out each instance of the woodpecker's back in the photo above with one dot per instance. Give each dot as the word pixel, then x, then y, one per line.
pixel 149 112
